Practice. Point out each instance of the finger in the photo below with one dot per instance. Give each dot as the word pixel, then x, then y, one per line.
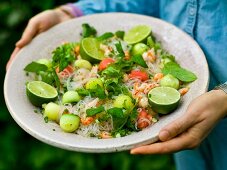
pixel 30 31
pixel 181 142
pixel 16 50
pixel 177 127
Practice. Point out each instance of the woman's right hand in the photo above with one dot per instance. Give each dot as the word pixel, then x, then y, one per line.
pixel 37 24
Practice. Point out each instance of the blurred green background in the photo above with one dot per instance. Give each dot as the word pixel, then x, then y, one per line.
pixel 19 150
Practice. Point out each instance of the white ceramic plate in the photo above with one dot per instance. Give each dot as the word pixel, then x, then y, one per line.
pixel 186 50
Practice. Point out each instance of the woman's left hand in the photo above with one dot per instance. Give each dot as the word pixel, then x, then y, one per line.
pixel 188 131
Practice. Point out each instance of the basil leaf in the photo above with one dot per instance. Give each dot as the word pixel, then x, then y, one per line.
pixel 120 34
pixel 94 111
pixel 180 73
pixel 120 51
pixel 88 31
pixel 105 36
pixel 35 67
pixel 138 59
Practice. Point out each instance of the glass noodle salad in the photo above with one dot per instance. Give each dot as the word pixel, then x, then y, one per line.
pixel 109 85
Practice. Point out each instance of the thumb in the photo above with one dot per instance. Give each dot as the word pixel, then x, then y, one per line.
pixel 177 127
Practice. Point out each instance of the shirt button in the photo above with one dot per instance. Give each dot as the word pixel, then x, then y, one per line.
pixel 192 11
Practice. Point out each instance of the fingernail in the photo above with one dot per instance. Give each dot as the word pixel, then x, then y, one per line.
pixel 164 135
pixel 132 152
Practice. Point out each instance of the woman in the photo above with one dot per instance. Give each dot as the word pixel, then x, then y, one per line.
pixel 203 126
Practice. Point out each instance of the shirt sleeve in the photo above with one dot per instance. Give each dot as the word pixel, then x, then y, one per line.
pixel 146 7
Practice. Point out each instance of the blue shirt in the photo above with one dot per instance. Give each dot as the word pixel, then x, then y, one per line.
pixel 204 20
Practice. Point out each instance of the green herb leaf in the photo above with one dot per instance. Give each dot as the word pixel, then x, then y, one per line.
pixel 150 42
pixel 178 72
pixel 88 31
pixel 120 34
pixel 110 72
pixel 118 116
pixel 98 92
pixel 120 51
pixel 138 59
pixel 82 92
pixel 35 67
pixel 57 81
pixel 132 119
pixel 63 55
pixel 105 36
pixel 116 112
pixel 94 111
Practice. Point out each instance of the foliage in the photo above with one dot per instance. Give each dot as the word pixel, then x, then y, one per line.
pixel 21 151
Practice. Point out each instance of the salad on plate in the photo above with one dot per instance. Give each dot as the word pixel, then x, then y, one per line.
pixel 109 85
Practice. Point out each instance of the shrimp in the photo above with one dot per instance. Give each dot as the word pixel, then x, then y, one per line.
pixel 183 91
pixel 105 135
pixel 87 120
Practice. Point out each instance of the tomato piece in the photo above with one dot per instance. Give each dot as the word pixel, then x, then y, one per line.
pixel 105 62
pixel 66 72
pixel 139 74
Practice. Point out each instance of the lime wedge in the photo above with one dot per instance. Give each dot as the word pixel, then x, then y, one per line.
pixel 164 99
pixel 137 34
pixel 90 50
pixel 39 92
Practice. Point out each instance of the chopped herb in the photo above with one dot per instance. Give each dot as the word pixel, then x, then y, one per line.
pixel 94 111
pixel 53 129
pixel 63 56
pixel 36 111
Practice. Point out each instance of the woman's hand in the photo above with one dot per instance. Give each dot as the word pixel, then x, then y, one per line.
pixel 37 24
pixel 188 131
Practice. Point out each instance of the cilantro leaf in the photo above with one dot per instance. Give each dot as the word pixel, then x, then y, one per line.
pixel 180 73
pixel 111 72
pixel 88 31
pixel 94 111
pixel 138 59
pixel 63 56
pixel 105 36
pixel 35 67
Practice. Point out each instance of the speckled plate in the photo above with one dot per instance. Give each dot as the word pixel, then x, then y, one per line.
pixel 186 50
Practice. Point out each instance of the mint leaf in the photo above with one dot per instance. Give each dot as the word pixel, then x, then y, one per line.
pixel 138 59
pixel 88 31
pixel 178 72
pixel 105 36
pixel 94 111
pixel 35 67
